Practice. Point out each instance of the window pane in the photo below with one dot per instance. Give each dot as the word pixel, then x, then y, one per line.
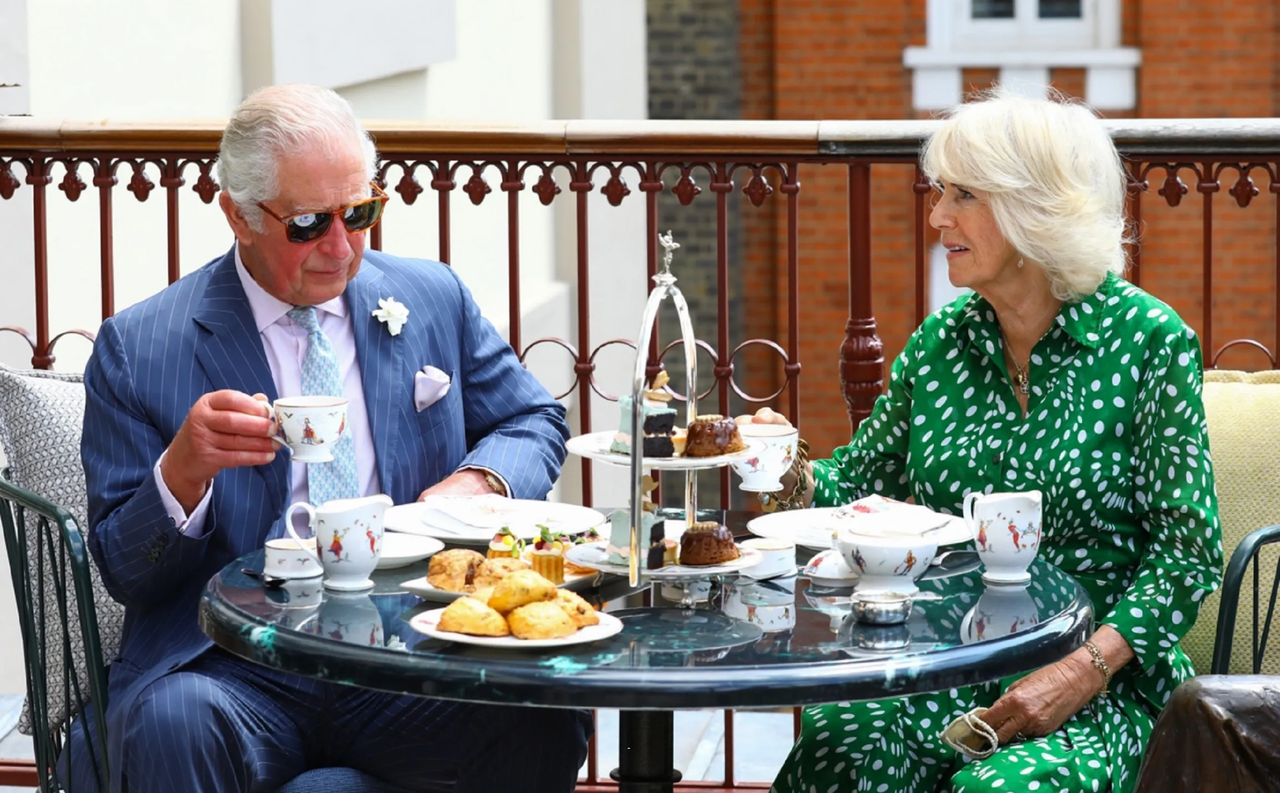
pixel 1060 9
pixel 993 9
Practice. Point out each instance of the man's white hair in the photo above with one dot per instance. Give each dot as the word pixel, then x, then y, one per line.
pixel 1054 177
pixel 279 120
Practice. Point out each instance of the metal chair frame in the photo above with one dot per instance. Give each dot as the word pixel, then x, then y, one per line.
pixel 60 553
pixel 1246 555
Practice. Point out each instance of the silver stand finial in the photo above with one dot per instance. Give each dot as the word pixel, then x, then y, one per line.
pixel 669 246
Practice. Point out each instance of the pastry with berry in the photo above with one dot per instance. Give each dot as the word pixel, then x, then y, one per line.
pixel 505 544
pixel 547 555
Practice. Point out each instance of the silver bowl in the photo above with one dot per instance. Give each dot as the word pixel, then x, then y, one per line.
pixel 881 608
pixel 860 640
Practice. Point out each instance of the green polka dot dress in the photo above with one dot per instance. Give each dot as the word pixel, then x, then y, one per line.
pixel 1115 438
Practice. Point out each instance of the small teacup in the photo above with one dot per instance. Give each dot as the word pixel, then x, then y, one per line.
pixel 288 558
pixel 348 535
pixel 310 426
pixel 774 450
pixel 779 558
pixel 1006 529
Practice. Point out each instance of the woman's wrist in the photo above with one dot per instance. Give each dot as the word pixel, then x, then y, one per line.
pixel 1104 654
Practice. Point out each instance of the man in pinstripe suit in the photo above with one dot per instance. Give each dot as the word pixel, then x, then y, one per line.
pixel 184 477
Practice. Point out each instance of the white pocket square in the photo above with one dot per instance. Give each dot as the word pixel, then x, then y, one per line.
pixel 429 387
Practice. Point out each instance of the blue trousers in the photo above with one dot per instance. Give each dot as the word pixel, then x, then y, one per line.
pixel 224 724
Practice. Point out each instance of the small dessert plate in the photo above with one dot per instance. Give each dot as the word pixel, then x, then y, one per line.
pixel 812 528
pixel 402 550
pixel 595 555
pixel 595 446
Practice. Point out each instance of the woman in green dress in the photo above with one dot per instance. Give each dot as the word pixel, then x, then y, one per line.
pixel 1056 375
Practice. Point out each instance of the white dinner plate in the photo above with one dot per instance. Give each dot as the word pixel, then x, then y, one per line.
pixel 595 446
pixel 596 556
pixel 427 621
pixel 812 528
pixel 522 516
pixel 402 550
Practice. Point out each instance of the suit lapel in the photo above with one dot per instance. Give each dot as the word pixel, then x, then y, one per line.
pixel 231 354
pixel 380 358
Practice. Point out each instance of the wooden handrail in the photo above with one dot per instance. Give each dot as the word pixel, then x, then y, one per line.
pixel 739 139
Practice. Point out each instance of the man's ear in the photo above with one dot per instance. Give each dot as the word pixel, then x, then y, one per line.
pixel 235 219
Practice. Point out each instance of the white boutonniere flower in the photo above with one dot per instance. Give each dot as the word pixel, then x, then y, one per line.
pixel 391 314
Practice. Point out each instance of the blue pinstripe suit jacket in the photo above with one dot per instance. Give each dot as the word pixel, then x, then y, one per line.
pixel 151 363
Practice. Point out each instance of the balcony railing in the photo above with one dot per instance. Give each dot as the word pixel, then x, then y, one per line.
pixel 803 199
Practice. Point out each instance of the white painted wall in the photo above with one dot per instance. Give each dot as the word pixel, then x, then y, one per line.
pixel 516 60
pixel 601 73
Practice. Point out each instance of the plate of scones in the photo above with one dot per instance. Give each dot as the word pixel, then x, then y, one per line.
pixel 523 611
pixel 710 441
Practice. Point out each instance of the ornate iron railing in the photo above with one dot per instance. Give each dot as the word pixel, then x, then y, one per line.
pixel 763 163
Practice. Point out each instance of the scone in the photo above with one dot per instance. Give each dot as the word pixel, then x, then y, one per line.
pixel 579 610
pixel 519 588
pixel 472 617
pixel 491 571
pixel 454 570
pixel 541 620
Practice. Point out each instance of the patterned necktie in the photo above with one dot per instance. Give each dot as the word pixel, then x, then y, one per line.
pixel 320 377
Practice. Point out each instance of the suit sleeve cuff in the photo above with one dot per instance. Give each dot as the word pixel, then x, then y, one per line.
pixel 188 525
pixel 501 480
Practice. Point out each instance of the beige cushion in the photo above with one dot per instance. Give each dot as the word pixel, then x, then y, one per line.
pixel 41 414
pixel 1243 410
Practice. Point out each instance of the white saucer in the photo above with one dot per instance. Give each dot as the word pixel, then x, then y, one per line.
pixel 749 573
pixel 832 583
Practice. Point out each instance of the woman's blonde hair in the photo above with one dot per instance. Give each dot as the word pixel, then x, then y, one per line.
pixel 1054 177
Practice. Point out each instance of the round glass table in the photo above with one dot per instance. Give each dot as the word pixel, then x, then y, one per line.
pixel 745 643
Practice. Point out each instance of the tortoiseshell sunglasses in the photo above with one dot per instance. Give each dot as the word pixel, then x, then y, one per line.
pixel 357 216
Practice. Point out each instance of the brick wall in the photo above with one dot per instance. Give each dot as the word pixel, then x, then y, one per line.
pixel 837 59
pixel 694 74
pixel 843 60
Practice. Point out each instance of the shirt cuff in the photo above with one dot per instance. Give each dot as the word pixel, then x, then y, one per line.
pixel 505 486
pixel 188 525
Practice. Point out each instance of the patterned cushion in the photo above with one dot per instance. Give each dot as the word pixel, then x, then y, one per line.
pixel 1243 410
pixel 41 414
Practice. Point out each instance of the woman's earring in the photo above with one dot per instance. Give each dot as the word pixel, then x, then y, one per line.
pixel 1021 263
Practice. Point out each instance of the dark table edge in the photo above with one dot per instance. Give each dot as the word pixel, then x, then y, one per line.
pixel 500 681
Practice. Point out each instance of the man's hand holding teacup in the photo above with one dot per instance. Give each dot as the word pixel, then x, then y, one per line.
pixel 224 429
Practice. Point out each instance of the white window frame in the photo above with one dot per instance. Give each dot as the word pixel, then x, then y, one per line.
pixel 1026 31
pixel 1025 49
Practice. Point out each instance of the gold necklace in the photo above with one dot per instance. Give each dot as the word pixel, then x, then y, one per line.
pixel 1021 379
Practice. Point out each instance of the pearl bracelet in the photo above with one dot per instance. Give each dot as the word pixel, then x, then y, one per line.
pixel 1100 664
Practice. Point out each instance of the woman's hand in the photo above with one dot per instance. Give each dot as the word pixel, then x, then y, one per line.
pixel 1040 703
pixel 763 416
